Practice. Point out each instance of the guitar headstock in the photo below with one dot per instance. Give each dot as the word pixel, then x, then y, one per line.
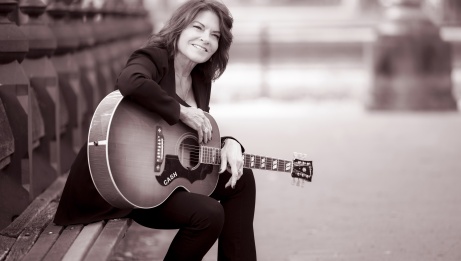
pixel 302 168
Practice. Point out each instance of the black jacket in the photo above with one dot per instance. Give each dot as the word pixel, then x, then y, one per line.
pixel 148 78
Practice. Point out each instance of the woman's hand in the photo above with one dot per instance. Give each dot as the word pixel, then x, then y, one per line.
pixel 196 119
pixel 231 155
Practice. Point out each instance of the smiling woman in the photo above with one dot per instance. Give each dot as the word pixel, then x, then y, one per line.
pixel 171 77
pixel 198 42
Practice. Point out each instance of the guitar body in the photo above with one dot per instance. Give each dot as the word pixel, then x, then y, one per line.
pixel 137 159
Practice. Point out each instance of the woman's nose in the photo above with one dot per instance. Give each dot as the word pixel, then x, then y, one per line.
pixel 205 37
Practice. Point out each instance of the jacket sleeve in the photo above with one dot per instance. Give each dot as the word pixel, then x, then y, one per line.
pixel 224 138
pixel 140 79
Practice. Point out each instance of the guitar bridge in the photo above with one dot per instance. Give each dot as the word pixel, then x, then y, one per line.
pixel 159 149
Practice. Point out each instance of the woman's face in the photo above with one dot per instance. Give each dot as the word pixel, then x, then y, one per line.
pixel 199 40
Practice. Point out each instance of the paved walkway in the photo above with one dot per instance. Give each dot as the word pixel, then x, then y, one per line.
pixel 386 185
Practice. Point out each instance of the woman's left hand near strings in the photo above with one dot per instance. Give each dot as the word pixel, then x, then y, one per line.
pixel 231 157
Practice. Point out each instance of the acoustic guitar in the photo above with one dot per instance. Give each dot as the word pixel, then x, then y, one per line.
pixel 137 159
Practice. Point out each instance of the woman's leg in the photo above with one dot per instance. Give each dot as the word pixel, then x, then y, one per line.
pixel 198 217
pixel 236 241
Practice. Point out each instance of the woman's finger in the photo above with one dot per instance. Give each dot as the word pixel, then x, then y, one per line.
pixel 223 166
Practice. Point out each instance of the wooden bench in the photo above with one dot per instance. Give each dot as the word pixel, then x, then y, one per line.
pixel 33 235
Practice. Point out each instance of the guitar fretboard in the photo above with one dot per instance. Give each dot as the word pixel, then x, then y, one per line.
pixel 210 155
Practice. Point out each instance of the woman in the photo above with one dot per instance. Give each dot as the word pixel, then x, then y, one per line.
pixel 172 76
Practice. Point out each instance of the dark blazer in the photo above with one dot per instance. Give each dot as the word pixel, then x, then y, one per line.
pixel 148 78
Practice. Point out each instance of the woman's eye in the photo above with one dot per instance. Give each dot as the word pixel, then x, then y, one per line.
pixel 198 27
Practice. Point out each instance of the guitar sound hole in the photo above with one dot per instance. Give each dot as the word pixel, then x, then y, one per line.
pixel 189 153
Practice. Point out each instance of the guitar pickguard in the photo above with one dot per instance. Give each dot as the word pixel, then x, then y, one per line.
pixel 173 170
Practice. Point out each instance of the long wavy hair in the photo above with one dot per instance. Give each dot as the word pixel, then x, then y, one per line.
pixel 168 36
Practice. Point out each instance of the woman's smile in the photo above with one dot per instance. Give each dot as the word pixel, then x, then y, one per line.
pixel 203 35
pixel 200 47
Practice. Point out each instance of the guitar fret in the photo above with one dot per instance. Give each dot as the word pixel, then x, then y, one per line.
pixel 268 164
pixel 274 164
pixel 281 165
pixel 207 155
pixel 257 161
pixel 213 156
pixel 207 160
pixel 262 165
pixel 204 159
pixel 252 161
pixel 210 155
pixel 204 154
pixel 288 166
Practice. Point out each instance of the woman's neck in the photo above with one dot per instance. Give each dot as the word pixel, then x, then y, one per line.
pixel 183 66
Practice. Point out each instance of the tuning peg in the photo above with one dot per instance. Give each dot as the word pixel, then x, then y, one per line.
pixel 300 155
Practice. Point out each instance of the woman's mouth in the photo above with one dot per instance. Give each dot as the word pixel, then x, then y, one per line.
pixel 200 47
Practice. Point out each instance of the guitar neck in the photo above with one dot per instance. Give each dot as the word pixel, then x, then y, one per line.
pixel 210 155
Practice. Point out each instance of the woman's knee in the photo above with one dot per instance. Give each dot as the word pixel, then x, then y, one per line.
pixel 209 216
pixel 248 180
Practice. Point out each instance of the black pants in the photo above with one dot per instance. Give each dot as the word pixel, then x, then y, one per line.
pixel 202 219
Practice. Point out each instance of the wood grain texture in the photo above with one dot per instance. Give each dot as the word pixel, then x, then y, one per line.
pixel 18 225
pixel 5 246
pixel 104 246
pixel 84 241
pixel 102 115
pixel 65 240
pixel 30 234
pixel 44 243
pixel 40 239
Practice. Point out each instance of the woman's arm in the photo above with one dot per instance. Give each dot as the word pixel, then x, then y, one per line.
pixel 139 79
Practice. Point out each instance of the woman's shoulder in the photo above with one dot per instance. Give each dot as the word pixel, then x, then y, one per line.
pixel 156 54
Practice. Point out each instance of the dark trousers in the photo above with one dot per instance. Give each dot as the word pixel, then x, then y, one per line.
pixel 202 219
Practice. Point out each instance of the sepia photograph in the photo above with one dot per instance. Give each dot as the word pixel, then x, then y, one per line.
pixel 230 130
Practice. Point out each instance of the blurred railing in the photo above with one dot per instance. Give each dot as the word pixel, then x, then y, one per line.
pixel 57 61
pixel 445 12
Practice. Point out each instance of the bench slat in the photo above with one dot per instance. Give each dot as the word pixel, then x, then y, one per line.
pixel 25 239
pixel 65 240
pixel 36 207
pixel 30 234
pixel 104 246
pixel 84 241
pixel 44 243
pixel 5 246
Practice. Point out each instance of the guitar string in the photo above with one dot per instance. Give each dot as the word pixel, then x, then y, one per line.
pixel 267 166
pixel 281 164
pixel 196 149
pixel 196 152
pixel 195 156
